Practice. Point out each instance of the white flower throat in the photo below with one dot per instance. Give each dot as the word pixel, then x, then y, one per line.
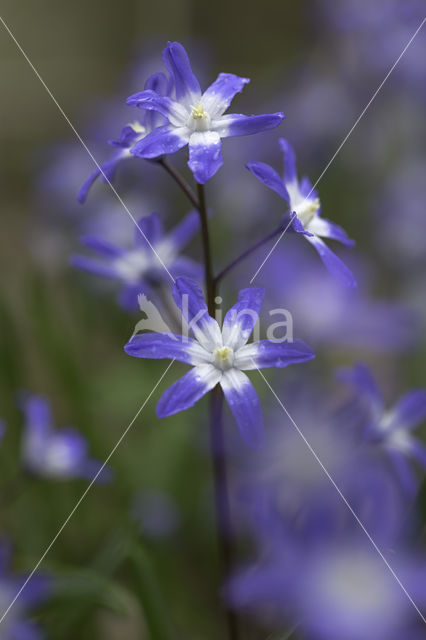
pixel 223 358
pixel 199 119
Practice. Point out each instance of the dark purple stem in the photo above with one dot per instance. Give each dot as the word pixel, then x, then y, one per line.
pixel 248 252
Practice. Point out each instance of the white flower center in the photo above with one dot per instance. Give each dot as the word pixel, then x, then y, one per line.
pixel 306 210
pixel 133 265
pixel 223 358
pixel 199 120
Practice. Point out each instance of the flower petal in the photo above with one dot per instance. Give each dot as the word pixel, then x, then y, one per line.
pixel 409 411
pixel 244 403
pixel 334 265
pixel 37 411
pixel 188 390
pixel 290 171
pixel 326 229
pixel 177 63
pixel 205 157
pixel 175 113
pixel 167 345
pixel 161 141
pixel 190 300
pixel 101 246
pixel 242 317
pixel 93 266
pixel 266 353
pixel 152 230
pixel 237 124
pixel 182 233
pixel 106 171
pixel 269 177
pixel 217 98
pixel 362 381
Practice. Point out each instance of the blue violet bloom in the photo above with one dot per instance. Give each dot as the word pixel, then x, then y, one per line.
pixel 130 134
pixel 305 205
pixel 141 268
pixel 196 118
pixel 390 429
pixel 218 356
pixel 61 454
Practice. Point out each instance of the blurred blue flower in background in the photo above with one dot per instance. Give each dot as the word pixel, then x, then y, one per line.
pixel 14 626
pixel 390 430
pixel 141 269
pixel 61 454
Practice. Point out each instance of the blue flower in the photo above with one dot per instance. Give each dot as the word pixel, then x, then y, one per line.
pixel 196 118
pixel 59 454
pixel 15 626
pixel 333 590
pixel 130 134
pixel 390 429
pixel 304 203
pixel 218 356
pixel 139 268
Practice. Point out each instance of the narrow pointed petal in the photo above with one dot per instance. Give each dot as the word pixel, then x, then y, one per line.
pixel 177 63
pixel 237 124
pixel 269 177
pixel 152 229
pixel 93 266
pixel 409 411
pixel 245 406
pixel 38 412
pixel 217 98
pixel 184 393
pixel 184 230
pixel 290 171
pixel 190 300
pixel 105 171
pixel 326 229
pixel 167 345
pixel 101 246
pixel 175 113
pixel 265 354
pixel 161 141
pixel 242 317
pixel 333 264
pixel 205 156
pixel 157 82
pixel 362 381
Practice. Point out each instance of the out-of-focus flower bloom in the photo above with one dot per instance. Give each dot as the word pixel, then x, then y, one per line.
pixel 218 356
pixel 304 202
pixel 335 590
pixel 140 269
pixel 130 134
pixel 330 315
pixel 156 514
pixel 196 118
pixel 15 626
pixel 390 429
pixel 60 454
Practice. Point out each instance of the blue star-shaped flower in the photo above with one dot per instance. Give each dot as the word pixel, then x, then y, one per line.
pixel 390 429
pixel 196 118
pixel 304 203
pixel 141 268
